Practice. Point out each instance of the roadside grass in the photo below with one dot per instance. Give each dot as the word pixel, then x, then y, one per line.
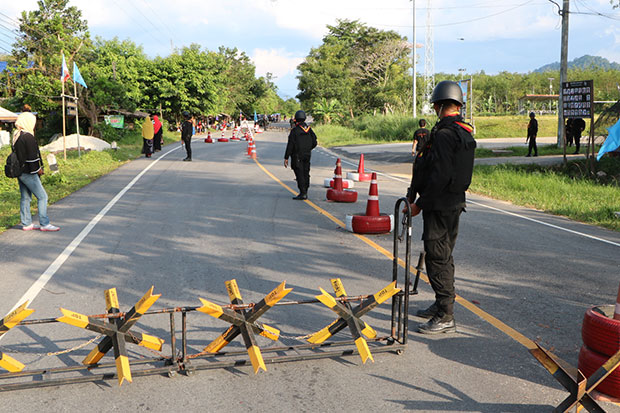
pixel 522 151
pixel 560 190
pixel 74 173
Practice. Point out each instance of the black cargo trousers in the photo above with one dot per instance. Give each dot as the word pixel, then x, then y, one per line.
pixel 440 231
pixel 300 164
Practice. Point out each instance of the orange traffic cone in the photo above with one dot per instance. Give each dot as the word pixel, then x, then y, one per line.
pixel 617 310
pixel 360 175
pixel 338 193
pixel 249 147
pixel 373 222
pixel 253 153
pixel 208 139
pixel 223 138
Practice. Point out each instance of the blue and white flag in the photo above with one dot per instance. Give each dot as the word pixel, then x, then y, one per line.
pixel 612 142
pixel 77 76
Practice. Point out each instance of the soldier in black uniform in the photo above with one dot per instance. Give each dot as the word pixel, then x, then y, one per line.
pixel 442 174
pixel 532 131
pixel 186 135
pixel 420 136
pixel 577 126
pixel 301 141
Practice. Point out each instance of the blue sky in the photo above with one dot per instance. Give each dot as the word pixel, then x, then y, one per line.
pixel 489 35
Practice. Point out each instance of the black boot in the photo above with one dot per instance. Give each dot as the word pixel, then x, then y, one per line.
pixel 439 324
pixel 429 312
pixel 301 197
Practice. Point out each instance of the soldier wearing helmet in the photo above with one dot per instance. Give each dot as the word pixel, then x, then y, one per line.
pixel 532 131
pixel 187 130
pixel 301 141
pixel 441 174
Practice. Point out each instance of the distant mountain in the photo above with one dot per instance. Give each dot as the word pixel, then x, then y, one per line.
pixel 583 62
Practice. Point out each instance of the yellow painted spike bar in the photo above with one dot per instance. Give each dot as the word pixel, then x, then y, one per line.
pixel 386 293
pixel 93 357
pixel 15 317
pixel 320 336
pixel 256 358
pixel 152 342
pixel 338 287
pixel 233 290
pixel 210 308
pixel 122 369
pixel 277 294
pixel 270 332
pixel 217 344
pixel 362 347
pixel 111 300
pixel 73 318
pixel 326 299
pixel 369 332
pixel 10 364
pixel 146 301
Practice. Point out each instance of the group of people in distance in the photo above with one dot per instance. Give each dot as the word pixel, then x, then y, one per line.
pixel 152 136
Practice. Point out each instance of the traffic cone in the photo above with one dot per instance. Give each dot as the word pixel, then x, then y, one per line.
pixel 617 310
pixel 208 139
pixel 360 175
pixel 253 153
pixel 223 138
pixel 249 147
pixel 338 193
pixel 373 222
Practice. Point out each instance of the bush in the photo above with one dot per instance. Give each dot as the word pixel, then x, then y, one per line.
pixel 109 134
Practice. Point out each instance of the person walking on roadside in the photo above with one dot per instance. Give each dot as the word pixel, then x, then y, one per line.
pixel 441 175
pixel 568 130
pixel 301 141
pixel 186 135
pixel 577 126
pixel 157 137
pixel 29 156
pixel 420 136
pixel 148 133
pixel 532 131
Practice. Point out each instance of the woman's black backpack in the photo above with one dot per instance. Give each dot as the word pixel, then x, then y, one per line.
pixel 13 168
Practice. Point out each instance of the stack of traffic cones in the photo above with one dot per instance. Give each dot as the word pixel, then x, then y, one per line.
pixel 338 193
pixel 360 175
pixel 249 147
pixel 373 222
pixel 208 139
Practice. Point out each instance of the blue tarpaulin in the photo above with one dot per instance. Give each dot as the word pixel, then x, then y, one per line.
pixel 612 142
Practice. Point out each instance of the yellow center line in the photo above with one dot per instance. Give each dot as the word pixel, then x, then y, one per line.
pixel 495 322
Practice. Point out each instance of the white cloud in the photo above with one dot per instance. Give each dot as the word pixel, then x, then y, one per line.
pixel 278 62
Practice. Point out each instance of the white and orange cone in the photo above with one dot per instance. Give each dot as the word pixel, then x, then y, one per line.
pixel 208 139
pixel 338 193
pixel 360 175
pixel 253 152
pixel 373 222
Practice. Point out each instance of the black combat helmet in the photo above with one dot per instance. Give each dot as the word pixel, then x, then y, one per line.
pixel 447 90
pixel 300 116
pixel 186 114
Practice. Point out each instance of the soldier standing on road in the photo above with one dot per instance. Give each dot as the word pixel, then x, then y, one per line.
pixel 420 137
pixel 187 129
pixel 442 174
pixel 301 141
pixel 532 131
pixel 577 126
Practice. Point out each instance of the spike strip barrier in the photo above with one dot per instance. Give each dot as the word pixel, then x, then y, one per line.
pixel 338 193
pixel 360 175
pixel 116 327
pixel 373 222
pixel 12 319
pixel 346 183
pixel 208 139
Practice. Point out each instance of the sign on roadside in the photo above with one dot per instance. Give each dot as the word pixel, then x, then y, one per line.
pixel 577 99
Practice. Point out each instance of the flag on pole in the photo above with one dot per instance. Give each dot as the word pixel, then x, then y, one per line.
pixel 64 75
pixel 77 76
pixel 255 117
pixel 612 142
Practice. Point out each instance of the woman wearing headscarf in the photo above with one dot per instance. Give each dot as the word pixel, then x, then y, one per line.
pixel 157 138
pixel 147 137
pixel 27 151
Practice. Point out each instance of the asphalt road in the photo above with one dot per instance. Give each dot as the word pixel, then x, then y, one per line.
pixel 186 228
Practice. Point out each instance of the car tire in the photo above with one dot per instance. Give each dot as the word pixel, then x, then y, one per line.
pixel 590 361
pixel 600 332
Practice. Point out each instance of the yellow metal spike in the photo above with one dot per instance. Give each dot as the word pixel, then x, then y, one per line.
pixel 210 308
pixel 256 358
pixel 326 299
pixel 338 287
pixel 123 370
pixel 362 347
pixel 73 318
pixel 16 316
pixel 152 342
pixel 277 294
pixel 369 332
pixel 93 357
pixel 217 344
pixel 111 299
pixel 10 364
pixel 233 290
pixel 270 332
pixel 321 335
pixel 386 293
pixel 146 301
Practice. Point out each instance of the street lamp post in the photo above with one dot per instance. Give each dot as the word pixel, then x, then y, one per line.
pixel 415 109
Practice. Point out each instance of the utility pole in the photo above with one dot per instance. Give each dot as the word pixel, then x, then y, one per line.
pixel 415 92
pixel 563 74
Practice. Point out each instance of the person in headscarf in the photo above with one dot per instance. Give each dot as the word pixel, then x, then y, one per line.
pixel 158 139
pixel 29 156
pixel 148 132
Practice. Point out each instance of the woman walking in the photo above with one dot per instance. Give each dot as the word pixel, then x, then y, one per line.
pixel 29 156
pixel 147 137
pixel 157 138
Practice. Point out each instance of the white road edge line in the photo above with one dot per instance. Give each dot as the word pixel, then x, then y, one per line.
pixel 43 279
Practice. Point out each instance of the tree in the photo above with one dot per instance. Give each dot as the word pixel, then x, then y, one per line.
pixel 325 111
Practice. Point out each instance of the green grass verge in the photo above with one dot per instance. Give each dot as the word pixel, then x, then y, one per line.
pixel 522 151
pixel 74 173
pixel 560 190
